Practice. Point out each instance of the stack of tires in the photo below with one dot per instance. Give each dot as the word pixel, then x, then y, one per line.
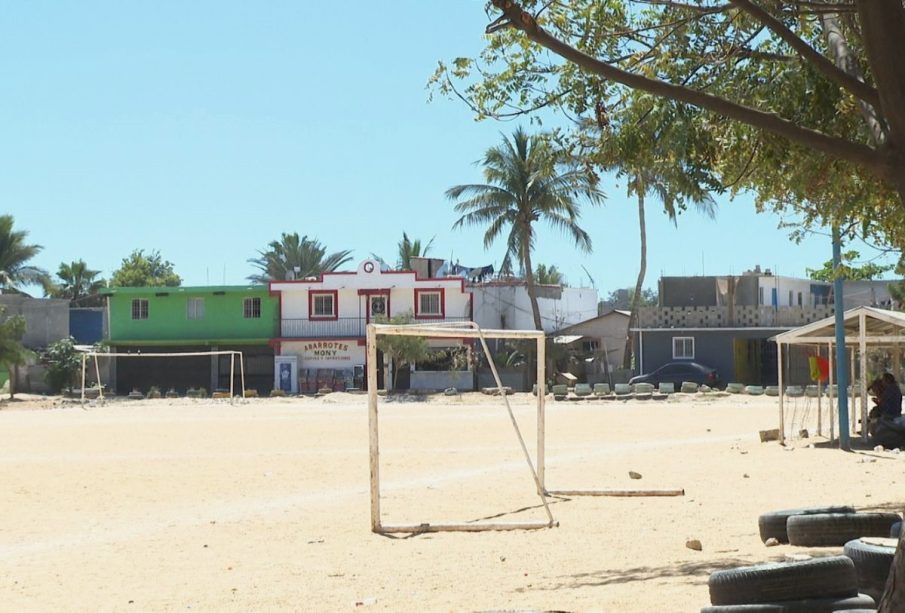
pixel 850 582
pixel 823 584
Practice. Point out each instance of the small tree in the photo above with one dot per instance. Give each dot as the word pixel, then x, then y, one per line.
pixel 401 349
pixel 849 269
pixel 140 270
pixel 12 353
pixel 63 362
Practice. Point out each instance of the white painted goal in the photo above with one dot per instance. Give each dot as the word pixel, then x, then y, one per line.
pixel 456 330
pixel 171 355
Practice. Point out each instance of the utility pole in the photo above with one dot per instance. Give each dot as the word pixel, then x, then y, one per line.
pixel 841 362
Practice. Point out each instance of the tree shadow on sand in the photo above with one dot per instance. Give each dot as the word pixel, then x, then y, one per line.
pixel 696 573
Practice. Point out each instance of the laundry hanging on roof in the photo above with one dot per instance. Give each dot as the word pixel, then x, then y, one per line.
pixel 475 275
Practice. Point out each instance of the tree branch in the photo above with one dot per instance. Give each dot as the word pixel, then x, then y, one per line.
pixel 857 88
pixel 839 148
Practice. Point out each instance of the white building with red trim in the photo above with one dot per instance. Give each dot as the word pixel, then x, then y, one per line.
pixel 323 320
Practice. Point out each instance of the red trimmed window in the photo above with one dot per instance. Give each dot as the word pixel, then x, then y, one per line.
pixel 323 305
pixel 429 303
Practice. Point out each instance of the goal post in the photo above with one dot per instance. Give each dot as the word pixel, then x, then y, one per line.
pixel 461 330
pixel 176 354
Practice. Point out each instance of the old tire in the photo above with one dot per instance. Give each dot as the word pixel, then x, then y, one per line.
pixel 872 563
pixel 836 529
pixel 769 583
pixel 896 530
pixel 861 602
pixel 773 525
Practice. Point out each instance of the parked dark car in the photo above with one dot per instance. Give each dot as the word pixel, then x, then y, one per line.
pixel 678 372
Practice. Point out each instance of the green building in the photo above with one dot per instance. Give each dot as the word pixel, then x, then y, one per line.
pixel 191 319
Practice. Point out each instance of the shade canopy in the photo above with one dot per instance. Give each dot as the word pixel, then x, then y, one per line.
pixel 880 327
pixel 863 326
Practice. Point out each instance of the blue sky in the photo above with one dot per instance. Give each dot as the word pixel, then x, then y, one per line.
pixel 205 129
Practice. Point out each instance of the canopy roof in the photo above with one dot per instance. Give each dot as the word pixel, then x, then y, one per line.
pixel 880 327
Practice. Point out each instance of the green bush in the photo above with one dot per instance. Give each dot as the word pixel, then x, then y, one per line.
pixel 63 362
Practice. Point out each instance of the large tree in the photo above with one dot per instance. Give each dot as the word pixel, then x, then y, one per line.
pixel 529 179
pixel 15 253
pixel 76 283
pixel 801 102
pixel 292 257
pixel 140 270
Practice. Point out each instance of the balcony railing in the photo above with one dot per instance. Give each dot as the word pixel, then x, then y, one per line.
pixel 344 327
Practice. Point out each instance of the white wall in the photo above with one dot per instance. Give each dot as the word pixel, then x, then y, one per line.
pixel 784 285
pixel 368 276
pixel 507 306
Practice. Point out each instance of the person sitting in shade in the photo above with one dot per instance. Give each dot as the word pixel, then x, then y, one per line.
pixel 890 399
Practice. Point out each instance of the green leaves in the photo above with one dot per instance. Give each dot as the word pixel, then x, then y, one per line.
pixel 714 48
pixel 292 257
pixel 529 179
pixel 14 256
pixel 12 352
pixel 63 362
pixel 140 270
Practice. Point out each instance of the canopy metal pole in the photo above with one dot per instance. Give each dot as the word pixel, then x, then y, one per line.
pixel 82 399
pixel 782 428
pixel 832 393
pixel 854 409
pixel 862 341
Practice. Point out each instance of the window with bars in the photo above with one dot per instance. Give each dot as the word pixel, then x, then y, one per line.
pixel 252 308
pixel 429 303
pixel 683 347
pixel 139 309
pixel 323 305
pixel 194 308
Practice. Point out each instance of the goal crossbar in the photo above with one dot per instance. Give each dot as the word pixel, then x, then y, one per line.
pixel 159 354
pixel 456 330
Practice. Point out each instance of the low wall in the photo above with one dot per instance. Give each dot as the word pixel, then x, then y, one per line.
pixel 516 378
pixel 428 380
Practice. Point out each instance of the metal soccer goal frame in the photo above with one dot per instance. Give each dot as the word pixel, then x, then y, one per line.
pixel 460 330
pixel 175 354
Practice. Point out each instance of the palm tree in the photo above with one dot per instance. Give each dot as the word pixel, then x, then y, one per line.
pixel 295 258
pixel 641 182
pixel 14 256
pixel 528 180
pixel 78 284
pixel 409 249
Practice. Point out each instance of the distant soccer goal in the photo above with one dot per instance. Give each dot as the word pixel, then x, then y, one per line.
pixel 171 355
pixel 461 330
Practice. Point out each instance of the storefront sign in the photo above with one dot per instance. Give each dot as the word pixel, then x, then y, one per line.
pixel 323 351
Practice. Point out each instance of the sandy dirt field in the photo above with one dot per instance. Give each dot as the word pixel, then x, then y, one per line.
pixel 182 505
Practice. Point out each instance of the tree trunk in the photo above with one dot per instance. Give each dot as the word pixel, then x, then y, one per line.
pixel 636 298
pixel 532 290
pixel 882 26
pixel 13 372
pixel 893 599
